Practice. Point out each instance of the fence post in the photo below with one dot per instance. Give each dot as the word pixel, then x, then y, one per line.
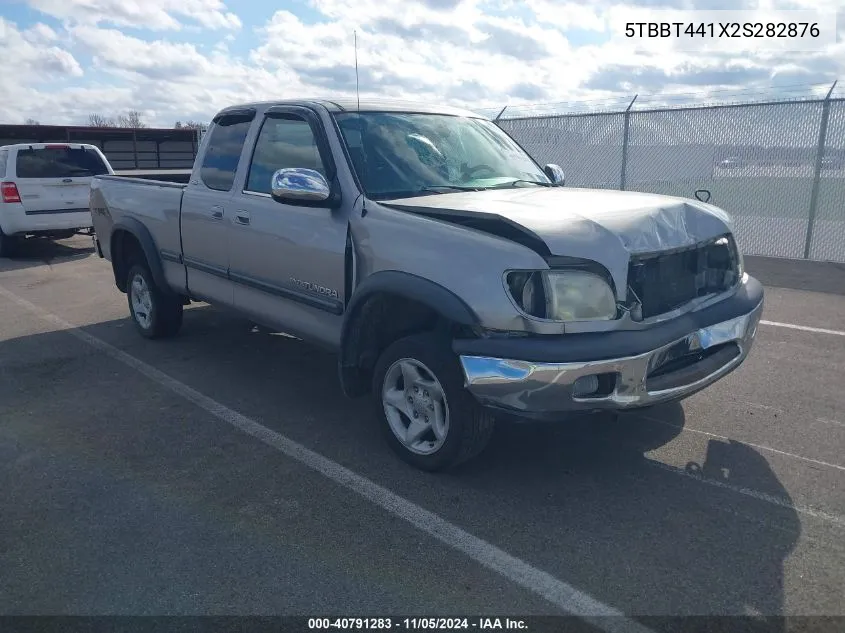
pixel 135 146
pixel 817 172
pixel 625 143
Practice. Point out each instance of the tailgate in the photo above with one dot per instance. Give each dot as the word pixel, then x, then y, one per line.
pixel 48 195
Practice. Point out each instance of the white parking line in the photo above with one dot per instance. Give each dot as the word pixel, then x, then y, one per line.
pixel 748 492
pixel 762 447
pixel 828 421
pixel 805 328
pixel 767 407
pixel 555 591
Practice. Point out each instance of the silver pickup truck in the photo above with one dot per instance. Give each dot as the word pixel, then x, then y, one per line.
pixel 454 277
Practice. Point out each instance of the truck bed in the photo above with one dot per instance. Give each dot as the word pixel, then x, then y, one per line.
pixel 120 202
pixel 158 175
pixel 142 178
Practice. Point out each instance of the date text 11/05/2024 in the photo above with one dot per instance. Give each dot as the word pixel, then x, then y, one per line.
pixel 431 624
pixel 722 29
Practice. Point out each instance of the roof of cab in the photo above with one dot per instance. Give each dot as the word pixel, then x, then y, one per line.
pixel 367 105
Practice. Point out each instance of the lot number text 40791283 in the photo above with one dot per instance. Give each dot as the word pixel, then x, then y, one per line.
pixel 427 624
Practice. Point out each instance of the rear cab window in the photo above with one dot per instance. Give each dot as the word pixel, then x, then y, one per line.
pixel 220 162
pixel 59 162
pixel 4 160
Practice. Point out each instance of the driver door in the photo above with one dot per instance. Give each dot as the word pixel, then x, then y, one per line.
pixel 288 261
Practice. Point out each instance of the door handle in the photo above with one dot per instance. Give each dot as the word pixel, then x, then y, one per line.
pixel 217 213
pixel 242 217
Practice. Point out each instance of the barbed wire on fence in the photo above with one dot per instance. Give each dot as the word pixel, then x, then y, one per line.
pixel 709 98
pixel 775 161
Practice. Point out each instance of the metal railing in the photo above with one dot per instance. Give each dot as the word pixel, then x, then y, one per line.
pixel 776 165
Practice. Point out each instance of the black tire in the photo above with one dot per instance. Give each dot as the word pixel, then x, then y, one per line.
pixel 8 245
pixel 470 425
pixel 165 315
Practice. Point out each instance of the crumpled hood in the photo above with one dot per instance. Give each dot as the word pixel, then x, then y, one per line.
pixel 602 225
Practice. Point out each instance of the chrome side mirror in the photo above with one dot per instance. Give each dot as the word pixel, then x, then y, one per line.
pixel 555 174
pixel 297 184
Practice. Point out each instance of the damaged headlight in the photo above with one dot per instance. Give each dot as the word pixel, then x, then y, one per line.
pixel 734 261
pixel 563 295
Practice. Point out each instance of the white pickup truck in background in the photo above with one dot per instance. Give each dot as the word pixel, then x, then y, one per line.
pixel 44 189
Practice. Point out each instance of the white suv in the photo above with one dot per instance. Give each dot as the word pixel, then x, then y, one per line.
pixel 44 189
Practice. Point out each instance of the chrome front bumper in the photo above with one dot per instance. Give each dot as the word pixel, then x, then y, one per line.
pixel 667 373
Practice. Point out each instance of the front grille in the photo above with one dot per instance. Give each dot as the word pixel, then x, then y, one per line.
pixel 666 281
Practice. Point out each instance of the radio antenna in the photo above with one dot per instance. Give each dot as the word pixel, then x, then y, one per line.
pixel 358 99
pixel 357 90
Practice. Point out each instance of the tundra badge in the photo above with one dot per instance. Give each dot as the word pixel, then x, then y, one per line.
pixel 307 285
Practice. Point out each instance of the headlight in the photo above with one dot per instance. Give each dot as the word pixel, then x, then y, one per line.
pixel 576 296
pixel 563 295
pixel 736 263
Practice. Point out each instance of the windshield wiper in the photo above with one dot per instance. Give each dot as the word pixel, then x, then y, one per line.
pixel 530 182
pixel 422 191
pixel 436 188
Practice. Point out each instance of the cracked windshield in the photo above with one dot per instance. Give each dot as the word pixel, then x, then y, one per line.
pixel 399 155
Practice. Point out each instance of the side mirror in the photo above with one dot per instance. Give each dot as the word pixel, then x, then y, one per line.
pixel 555 174
pixel 296 184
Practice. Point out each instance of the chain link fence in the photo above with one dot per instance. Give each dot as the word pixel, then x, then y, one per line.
pixel 777 167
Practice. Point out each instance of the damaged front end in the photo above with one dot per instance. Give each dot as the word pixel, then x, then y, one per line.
pixel 690 320
pixel 663 282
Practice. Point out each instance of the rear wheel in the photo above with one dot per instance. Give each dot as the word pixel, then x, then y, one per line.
pixel 8 245
pixel 426 415
pixel 154 313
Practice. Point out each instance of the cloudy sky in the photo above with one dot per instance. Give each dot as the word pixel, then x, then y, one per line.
pixel 184 59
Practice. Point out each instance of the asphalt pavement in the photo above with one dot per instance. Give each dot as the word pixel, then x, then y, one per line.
pixel 223 472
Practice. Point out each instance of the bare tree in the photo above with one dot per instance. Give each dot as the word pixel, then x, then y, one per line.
pixel 98 120
pixel 32 122
pixel 189 125
pixel 131 119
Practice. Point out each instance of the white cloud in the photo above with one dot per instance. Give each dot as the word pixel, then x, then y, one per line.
pixel 359 12
pixel 151 14
pixel 116 52
pixel 28 56
pixel 478 53
pixel 567 15
pixel 40 33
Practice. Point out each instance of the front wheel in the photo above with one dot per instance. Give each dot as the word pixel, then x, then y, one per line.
pixel 427 416
pixel 154 313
